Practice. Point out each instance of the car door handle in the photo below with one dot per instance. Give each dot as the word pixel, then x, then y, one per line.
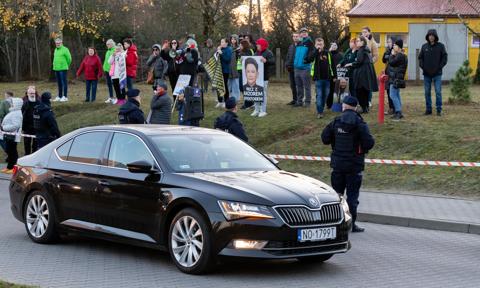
pixel 103 183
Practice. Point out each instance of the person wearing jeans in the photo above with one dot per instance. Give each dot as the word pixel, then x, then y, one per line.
pixel 323 71
pixel 106 68
pixel 268 61
pixel 61 62
pixel 91 66
pixel 432 58
pixel 233 79
pixel 398 67
pixel 302 68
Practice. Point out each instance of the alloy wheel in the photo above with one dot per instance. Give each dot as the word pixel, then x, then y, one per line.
pixel 37 216
pixel 187 241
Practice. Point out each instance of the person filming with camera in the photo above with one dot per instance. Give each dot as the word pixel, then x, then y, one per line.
pixel 397 63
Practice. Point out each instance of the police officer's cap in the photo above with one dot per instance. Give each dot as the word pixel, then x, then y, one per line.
pixel 230 103
pixel 352 101
pixel 46 96
pixel 133 93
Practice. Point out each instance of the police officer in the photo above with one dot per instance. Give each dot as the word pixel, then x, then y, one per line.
pixel 130 112
pixel 351 140
pixel 44 122
pixel 229 121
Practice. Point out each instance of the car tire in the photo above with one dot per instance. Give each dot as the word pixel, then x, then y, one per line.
pixel 190 242
pixel 315 259
pixel 39 218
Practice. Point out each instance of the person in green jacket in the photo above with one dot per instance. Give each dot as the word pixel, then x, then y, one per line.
pixel 61 62
pixel 106 68
pixel 4 109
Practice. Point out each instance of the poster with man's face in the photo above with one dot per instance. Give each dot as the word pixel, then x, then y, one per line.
pixel 253 82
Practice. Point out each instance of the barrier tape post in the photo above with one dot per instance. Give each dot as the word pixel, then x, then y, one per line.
pixel 383 161
pixel 383 78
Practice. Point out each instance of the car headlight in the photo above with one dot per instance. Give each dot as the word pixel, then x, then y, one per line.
pixel 238 210
pixel 345 208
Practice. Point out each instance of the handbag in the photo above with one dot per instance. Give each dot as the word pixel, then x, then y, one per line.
pixel 150 77
pixel 399 84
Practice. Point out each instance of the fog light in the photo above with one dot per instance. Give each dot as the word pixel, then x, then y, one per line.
pixel 249 244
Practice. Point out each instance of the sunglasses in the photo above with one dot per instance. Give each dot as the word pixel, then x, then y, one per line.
pixel 174 43
pixel 155 49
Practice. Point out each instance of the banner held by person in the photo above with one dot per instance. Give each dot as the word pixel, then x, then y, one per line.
pixel 182 82
pixel 214 71
pixel 253 82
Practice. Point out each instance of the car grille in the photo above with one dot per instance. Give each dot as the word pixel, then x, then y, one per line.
pixel 318 249
pixel 302 216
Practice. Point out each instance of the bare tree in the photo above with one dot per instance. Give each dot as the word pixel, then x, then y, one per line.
pixel 260 32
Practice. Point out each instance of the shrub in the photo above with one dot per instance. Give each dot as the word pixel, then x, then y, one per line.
pixel 460 85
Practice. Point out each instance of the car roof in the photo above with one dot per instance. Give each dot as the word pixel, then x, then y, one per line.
pixel 153 129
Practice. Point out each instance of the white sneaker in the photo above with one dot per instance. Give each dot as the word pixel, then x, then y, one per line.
pixel 262 114
pixel 64 99
pixel 218 105
pixel 223 104
pixel 114 101
pixel 369 103
pixel 255 113
pixel 109 100
pixel 57 99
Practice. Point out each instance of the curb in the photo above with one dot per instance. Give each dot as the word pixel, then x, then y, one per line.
pixel 429 224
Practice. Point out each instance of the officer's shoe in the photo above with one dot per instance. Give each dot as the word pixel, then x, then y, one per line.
pixel 356 229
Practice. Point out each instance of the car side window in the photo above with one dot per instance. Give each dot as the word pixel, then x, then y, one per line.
pixel 63 150
pixel 126 149
pixel 87 148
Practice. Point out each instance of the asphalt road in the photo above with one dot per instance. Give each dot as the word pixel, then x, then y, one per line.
pixel 383 256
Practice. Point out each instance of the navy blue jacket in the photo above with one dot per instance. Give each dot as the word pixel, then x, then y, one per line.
pixel 350 139
pixel 130 113
pixel 44 122
pixel 229 122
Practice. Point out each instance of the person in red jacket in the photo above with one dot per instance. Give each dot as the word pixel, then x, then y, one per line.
pixel 131 62
pixel 93 70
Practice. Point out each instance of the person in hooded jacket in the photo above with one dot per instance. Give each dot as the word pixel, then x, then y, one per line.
pixel 44 121
pixel 229 121
pixel 92 67
pixel 398 63
pixel 12 123
pixel 130 112
pixel 30 100
pixel 131 62
pixel 159 65
pixel 268 69
pixel 161 106
pixel 386 56
pixel 350 139
pixel 432 58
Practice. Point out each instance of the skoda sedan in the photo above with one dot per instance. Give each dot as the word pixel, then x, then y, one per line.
pixel 197 193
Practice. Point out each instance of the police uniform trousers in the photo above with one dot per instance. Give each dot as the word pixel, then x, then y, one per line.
pixel 351 182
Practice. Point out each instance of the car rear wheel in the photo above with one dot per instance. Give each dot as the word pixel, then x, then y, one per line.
pixel 315 259
pixel 190 242
pixel 39 215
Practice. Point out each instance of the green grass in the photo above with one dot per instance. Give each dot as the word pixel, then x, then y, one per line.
pixel 10 285
pixel 288 130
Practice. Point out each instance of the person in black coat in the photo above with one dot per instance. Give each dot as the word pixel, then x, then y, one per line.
pixel 229 121
pixel 30 100
pixel 289 66
pixel 364 78
pixel 44 122
pixel 350 139
pixel 396 78
pixel 432 59
pixel 130 112
pixel 386 56
pixel 337 57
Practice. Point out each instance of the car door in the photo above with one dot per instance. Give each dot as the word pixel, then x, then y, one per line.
pixel 75 177
pixel 128 204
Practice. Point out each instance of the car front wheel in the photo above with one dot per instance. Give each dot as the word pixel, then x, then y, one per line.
pixel 190 242
pixel 39 215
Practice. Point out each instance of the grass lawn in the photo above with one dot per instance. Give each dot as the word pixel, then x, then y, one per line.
pixel 288 130
pixel 10 285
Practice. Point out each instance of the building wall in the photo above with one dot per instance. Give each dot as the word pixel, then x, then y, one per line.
pixel 385 26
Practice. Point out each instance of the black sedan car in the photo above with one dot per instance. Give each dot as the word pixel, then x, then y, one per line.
pixel 196 193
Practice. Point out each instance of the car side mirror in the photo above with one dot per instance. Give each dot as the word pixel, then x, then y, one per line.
pixel 141 166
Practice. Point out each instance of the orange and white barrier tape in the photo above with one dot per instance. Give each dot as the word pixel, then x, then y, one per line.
pixel 19 134
pixel 382 161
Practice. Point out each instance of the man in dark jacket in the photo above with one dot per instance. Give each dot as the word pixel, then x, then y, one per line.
pixel 161 106
pixel 351 140
pixel 302 68
pixel 432 59
pixel 30 100
pixel 44 122
pixel 323 71
pixel 130 112
pixel 229 122
pixel 289 66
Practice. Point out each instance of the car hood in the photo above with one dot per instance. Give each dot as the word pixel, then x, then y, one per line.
pixel 265 187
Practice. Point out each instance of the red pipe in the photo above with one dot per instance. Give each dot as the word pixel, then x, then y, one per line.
pixel 383 78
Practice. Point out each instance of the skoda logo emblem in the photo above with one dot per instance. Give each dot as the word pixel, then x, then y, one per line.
pixel 313 202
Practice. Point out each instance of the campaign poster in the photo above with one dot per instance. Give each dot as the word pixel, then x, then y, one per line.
pixel 253 82
pixel 182 82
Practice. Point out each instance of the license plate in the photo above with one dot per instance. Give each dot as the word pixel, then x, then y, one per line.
pixel 316 234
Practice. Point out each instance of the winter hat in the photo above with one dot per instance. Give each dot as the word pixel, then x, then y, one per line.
pixel 230 103
pixel 133 93
pixel 263 44
pixel 234 36
pixel 46 96
pixel 399 43
pixel 303 29
pixel 157 46
pixel 191 43
pixel 162 84
pixel 351 101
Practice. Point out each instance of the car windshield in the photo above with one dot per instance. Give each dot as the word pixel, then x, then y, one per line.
pixel 209 153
